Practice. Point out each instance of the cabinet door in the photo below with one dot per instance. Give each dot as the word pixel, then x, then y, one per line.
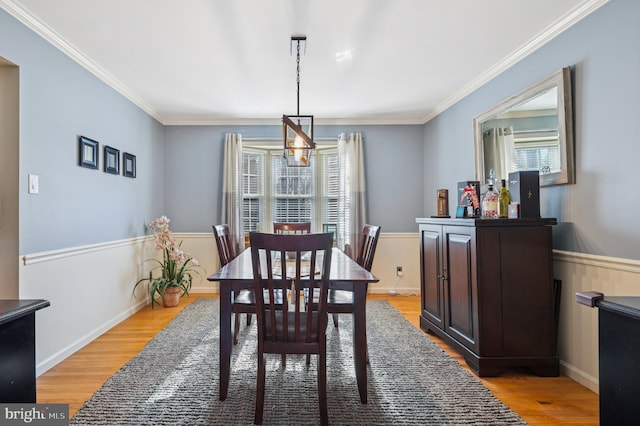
pixel 528 297
pixel 431 263
pixel 461 299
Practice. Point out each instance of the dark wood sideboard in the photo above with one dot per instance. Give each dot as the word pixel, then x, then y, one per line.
pixel 487 289
pixel 18 349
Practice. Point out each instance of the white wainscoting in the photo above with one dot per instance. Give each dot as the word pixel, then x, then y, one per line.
pixel 578 331
pixel 90 290
pixel 394 249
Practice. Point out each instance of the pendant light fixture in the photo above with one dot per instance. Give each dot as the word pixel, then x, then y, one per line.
pixel 297 130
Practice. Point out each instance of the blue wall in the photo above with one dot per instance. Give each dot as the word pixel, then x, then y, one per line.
pixel 393 161
pixel 598 214
pixel 60 100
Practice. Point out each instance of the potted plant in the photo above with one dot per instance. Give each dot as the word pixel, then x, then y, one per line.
pixel 177 268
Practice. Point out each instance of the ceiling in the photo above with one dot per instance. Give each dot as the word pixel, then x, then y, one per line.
pixel 229 61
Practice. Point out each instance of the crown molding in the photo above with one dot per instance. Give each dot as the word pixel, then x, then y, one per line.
pixel 26 17
pixel 531 46
pixel 326 121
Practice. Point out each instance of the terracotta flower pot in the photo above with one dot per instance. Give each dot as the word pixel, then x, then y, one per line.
pixel 171 297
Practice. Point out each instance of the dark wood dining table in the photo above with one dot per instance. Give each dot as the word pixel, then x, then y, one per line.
pixel 345 274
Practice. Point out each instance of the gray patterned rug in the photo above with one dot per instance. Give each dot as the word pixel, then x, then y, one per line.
pixel 174 380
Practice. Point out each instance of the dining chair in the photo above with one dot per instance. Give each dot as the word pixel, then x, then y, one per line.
pixel 340 296
pixel 290 327
pixel 341 300
pixel 244 301
pixel 292 228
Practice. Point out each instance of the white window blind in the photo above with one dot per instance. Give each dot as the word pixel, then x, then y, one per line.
pixel 273 192
pixel 253 190
pixel 330 188
pixel 293 190
pixel 539 151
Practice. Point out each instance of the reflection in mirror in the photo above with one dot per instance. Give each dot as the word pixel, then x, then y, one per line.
pixel 532 130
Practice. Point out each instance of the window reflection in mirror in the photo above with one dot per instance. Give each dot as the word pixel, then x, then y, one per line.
pixel 532 130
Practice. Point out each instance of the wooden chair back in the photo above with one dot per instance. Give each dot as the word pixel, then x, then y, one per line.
pixel 367 246
pixel 292 228
pixel 290 326
pixel 226 251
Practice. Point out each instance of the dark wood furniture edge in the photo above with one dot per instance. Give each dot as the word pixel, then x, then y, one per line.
pixel 544 366
pixel 12 309
pixel 621 305
pixel 476 222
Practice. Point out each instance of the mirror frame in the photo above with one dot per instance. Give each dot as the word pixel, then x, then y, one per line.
pixel 562 79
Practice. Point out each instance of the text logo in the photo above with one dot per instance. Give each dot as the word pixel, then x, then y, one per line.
pixel 34 414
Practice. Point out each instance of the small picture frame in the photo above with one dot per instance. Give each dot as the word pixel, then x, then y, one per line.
pixel 111 160
pixel 128 165
pixel 88 153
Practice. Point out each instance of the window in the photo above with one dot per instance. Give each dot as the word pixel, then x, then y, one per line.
pixel 537 151
pixel 293 190
pixel 330 179
pixel 273 192
pixel 252 189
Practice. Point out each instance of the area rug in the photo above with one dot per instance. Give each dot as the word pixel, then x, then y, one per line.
pixel 174 380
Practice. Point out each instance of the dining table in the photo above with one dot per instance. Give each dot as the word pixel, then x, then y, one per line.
pixel 345 274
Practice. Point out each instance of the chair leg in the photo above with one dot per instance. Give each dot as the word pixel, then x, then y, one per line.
pixel 322 387
pixel 248 320
pixel 257 418
pixel 236 328
pixel 335 320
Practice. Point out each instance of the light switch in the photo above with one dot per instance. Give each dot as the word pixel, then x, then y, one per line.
pixel 34 184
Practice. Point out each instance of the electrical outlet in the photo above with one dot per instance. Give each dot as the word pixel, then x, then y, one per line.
pixel 399 271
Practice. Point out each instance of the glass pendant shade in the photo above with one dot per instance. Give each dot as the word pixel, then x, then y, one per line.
pixel 297 133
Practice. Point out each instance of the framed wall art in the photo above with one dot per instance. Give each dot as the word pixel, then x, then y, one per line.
pixel 88 153
pixel 111 160
pixel 128 165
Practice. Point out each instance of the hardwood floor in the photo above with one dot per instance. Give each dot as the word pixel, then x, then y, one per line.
pixel 538 400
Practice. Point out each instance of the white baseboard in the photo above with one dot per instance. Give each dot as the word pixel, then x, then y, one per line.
pixel 579 376
pixel 81 342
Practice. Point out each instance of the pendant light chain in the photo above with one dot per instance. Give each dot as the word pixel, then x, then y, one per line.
pixel 298 76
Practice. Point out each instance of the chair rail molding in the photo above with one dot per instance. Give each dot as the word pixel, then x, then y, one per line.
pixel 614 263
pixel 48 256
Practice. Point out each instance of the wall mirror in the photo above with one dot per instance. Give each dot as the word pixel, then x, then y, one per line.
pixel 532 130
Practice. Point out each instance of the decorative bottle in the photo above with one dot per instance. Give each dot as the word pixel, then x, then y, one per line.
pixel 490 203
pixel 503 201
pixel 492 177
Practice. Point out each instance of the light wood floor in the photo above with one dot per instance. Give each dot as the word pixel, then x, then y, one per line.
pixel 538 400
